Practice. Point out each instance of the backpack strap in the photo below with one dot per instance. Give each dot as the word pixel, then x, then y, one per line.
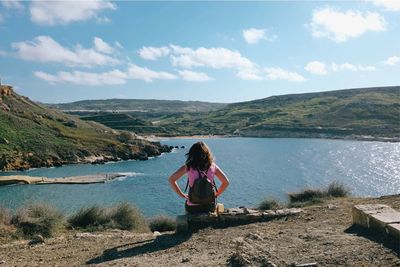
pixel 214 184
pixel 187 184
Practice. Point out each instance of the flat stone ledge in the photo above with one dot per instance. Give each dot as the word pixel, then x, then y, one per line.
pixel 378 217
pixel 231 216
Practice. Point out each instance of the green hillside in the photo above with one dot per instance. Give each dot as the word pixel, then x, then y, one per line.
pixel 357 112
pixel 141 108
pixel 122 121
pixel 32 135
pixel 366 113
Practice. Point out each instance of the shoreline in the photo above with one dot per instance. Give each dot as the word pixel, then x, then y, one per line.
pixel 346 138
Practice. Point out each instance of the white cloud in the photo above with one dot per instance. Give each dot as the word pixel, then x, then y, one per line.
pixel 103 20
pixel 45 49
pixel 253 36
pixel 113 77
pixel 153 53
pixel 12 4
pixel 118 45
pixel 391 5
pixel 391 61
pixel 251 74
pixel 63 12
pixel 3 53
pixel 216 58
pixel 351 67
pixel 316 67
pixel 193 76
pixel 341 26
pixel 281 74
pixel 143 73
pixel 102 46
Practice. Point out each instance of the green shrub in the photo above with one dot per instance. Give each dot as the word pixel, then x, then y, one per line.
pixel 162 223
pixel 270 204
pixel 38 218
pixel 313 196
pixel 125 216
pixel 306 195
pixel 88 217
pixel 336 189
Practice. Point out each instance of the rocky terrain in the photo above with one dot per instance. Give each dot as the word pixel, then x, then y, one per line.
pixel 32 135
pixel 322 234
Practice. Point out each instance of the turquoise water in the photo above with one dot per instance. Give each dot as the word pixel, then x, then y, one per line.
pixel 256 167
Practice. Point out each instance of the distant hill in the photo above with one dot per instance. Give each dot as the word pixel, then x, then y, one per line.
pixel 144 108
pixel 356 113
pixel 366 113
pixel 32 135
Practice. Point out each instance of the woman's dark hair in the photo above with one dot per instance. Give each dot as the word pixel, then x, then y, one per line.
pixel 199 157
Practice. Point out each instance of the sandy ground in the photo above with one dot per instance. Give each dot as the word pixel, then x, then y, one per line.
pixel 321 234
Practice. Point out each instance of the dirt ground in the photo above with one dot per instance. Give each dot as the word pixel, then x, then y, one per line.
pixel 323 234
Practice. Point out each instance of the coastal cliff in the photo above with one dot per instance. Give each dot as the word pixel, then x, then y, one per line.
pixel 32 136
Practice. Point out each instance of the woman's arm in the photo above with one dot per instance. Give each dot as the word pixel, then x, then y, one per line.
pixel 224 181
pixel 175 177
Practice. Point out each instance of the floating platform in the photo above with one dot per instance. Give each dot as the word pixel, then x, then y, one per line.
pixel 86 179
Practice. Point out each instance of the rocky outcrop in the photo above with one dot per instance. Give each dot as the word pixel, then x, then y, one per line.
pixel 5 90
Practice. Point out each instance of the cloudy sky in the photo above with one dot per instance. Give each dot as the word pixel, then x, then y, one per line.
pixel 220 52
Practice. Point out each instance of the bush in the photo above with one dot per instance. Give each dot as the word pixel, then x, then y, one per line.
pixel 124 216
pixel 162 223
pixel 270 204
pixel 88 217
pixel 336 189
pixel 5 216
pixel 38 218
pixel 312 196
pixel 306 195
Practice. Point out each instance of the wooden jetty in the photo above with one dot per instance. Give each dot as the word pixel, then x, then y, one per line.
pixel 86 179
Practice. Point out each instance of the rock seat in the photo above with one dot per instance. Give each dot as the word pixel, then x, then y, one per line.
pixel 230 217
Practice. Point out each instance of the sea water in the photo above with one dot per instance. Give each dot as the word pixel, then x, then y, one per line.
pixel 257 168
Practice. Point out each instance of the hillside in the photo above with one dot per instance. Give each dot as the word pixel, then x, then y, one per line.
pixel 367 113
pixel 32 135
pixel 143 108
pixel 354 113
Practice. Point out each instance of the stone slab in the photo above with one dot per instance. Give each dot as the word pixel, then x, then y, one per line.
pixel 378 217
pixel 232 216
pixel 86 179
pixel 393 229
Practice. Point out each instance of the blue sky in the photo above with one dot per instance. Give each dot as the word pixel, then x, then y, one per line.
pixel 210 51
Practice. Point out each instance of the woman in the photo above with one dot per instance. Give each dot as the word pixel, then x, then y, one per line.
pixel 199 164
